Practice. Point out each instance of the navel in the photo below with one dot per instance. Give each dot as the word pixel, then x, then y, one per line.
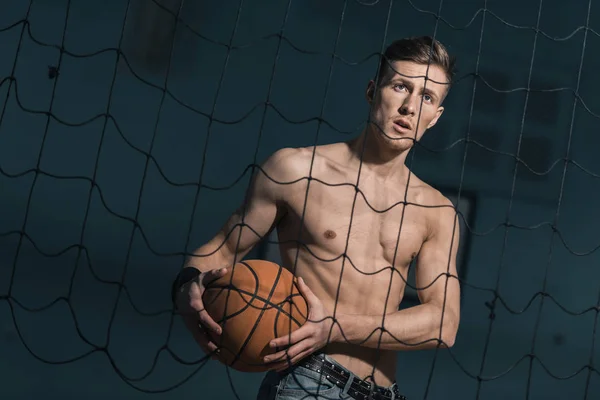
pixel 329 234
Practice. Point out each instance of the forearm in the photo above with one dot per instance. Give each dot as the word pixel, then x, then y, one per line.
pixel 415 328
pixel 207 257
pixel 220 252
pixel 231 244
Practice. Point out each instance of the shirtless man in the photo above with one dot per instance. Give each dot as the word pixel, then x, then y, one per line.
pixel 355 356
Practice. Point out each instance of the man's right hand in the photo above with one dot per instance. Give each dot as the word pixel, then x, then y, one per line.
pixel 195 317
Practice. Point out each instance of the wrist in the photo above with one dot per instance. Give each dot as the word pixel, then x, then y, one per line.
pixel 184 277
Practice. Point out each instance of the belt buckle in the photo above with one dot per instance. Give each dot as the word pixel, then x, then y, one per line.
pixel 375 392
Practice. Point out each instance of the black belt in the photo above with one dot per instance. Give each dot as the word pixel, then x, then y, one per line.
pixel 359 389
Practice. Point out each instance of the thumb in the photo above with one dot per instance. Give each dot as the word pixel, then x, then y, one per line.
pixel 310 297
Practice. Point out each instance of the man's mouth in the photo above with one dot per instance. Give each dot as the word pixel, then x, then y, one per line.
pixel 402 124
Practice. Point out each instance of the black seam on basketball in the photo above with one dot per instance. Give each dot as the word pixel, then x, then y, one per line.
pixel 249 336
pixel 275 334
pixel 289 315
pixel 234 288
pixel 224 319
pixel 268 304
pixel 280 311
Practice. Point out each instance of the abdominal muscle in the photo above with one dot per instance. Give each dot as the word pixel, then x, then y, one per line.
pixel 359 294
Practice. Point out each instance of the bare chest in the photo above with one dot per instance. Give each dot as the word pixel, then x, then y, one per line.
pixel 372 228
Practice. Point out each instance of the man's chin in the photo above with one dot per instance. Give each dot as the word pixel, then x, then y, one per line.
pixel 397 147
pixel 399 141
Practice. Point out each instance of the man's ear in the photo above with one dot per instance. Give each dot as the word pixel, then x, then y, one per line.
pixel 438 114
pixel 370 94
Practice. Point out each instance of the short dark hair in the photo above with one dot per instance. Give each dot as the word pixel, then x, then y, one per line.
pixel 422 50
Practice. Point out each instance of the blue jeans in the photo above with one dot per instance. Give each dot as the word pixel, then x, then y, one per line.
pixel 303 383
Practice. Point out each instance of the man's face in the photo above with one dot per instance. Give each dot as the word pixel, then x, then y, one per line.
pixel 405 105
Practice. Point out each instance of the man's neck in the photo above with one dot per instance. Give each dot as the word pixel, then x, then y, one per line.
pixel 376 161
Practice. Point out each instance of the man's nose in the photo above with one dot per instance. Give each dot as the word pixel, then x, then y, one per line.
pixel 408 107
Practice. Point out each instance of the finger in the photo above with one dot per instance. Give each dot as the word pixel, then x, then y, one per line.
pixel 277 357
pixel 212 275
pixel 207 322
pixel 290 352
pixel 310 297
pixel 292 360
pixel 203 316
pixel 207 346
pixel 200 337
pixel 289 339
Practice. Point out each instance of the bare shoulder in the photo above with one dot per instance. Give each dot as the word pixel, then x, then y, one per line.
pixel 441 212
pixel 286 164
pixel 291 164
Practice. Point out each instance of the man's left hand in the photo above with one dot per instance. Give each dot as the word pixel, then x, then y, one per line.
pixel 307 339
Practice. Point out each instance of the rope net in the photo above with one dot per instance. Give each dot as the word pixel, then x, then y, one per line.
pixel 114 154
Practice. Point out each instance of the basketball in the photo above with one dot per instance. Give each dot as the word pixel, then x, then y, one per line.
pixel 254 302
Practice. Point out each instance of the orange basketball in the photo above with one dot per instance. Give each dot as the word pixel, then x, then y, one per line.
pixel 255 302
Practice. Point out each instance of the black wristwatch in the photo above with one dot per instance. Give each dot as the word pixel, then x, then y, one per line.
pixel 186 275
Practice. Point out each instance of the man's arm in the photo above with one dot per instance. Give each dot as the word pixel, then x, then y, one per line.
pixel 262 208
pixel 437 317
pixel 253 220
